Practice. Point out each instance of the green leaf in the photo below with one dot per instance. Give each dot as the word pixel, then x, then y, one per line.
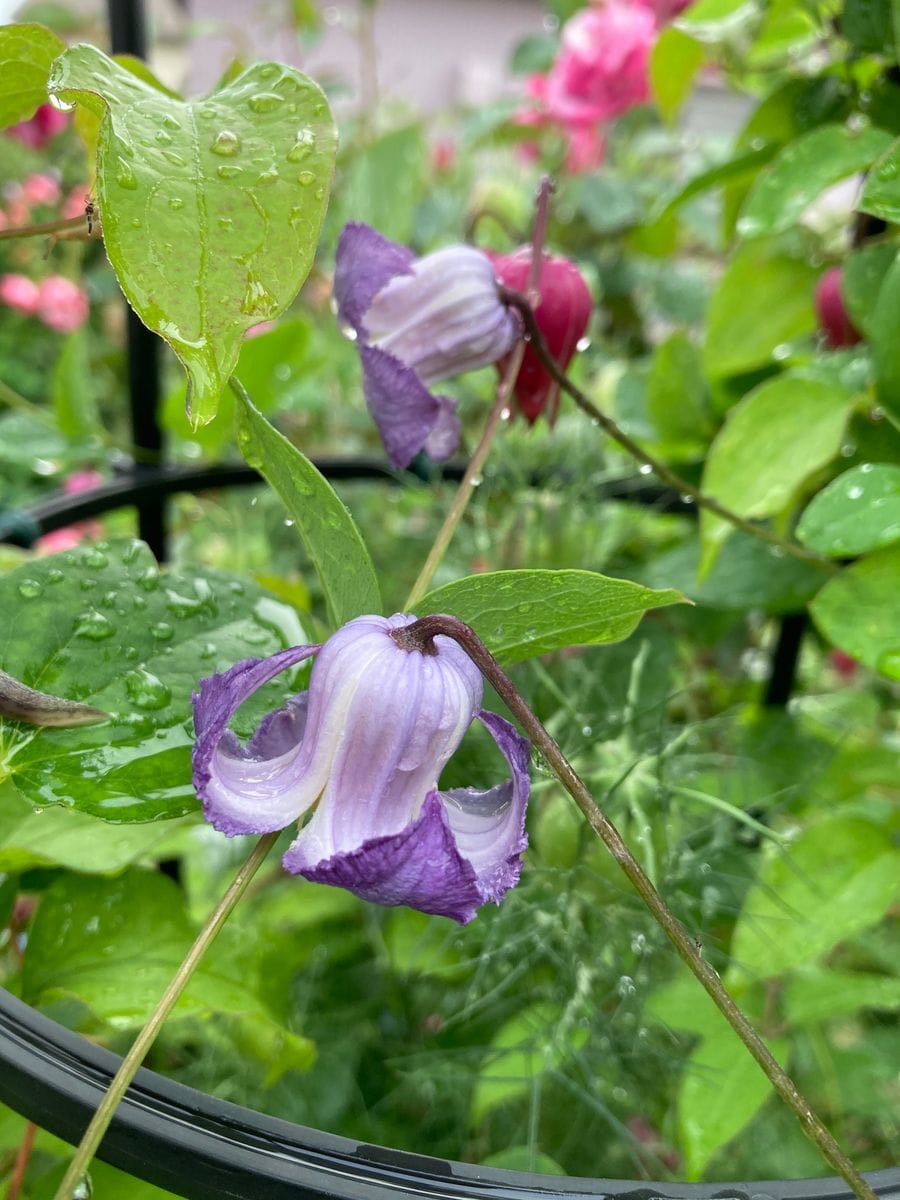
pixel 722 1089
pixel 881 194
pixel 676 396
pixel 62 837
pixel 114 945
pixel 868 24
pixel 211 208
pixel 329 533
pixel 74 401
pixel 858 611
pixel 720 22
pixel 524 1158
pixel 272 367
pixel 522 614
pixel 674 62
pixel 772 441
pixel 524 1048
pixel 819 994
pixel 102 624
pixel 884 341
pixel 763 300
pixel 863 274
pixel 839 876
pixel 741 168
pixel 385 181
pixel 748 574
pixel 859 511
pixel 26 52
pixel 803 170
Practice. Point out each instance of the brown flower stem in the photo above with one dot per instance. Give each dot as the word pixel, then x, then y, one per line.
pixel 67 225
pixel 421 634
pixel 93 1135
pixel 472 476
pixel 23 1157
pixel 516 300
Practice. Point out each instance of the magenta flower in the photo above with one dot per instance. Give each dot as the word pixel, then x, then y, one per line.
pixel 417 321
pixel 37 131
pixel 365 746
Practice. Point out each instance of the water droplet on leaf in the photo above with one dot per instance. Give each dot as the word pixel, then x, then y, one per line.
pixel 226 143
pixel 94 625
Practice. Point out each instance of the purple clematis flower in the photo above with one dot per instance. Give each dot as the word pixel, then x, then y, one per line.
pixel 366 745
pixel 417 321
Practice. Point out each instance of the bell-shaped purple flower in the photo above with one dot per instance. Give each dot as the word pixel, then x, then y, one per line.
pixel 365 746
pixel 417 321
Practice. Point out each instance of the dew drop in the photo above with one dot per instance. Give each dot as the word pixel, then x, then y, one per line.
pixel 131 653
pixel 226 222
pixel 176 202
pixel 227 144
pixel 55 576
pixel 224 172
pixel 135 222
pixel 93 558
pixel 267 71
pixel 164 138
pixel 304 144
pixel 264 102
pixel 305 178
pixel 645 469
pixel 30 589
pixel 854 493
pixel 267 177
pixel 175 159
pixel 94 625
pixel 320 193
pixel 125 177
pixel 170 122
pixel 149 579
pixel 162 631
pixel 257 301
pixel 146 691
pixel 888 170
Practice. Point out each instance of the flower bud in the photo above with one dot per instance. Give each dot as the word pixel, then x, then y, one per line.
pixel 562 315
pixel 834 320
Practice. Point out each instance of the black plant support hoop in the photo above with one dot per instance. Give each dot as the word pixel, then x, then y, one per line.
pixel 207 1149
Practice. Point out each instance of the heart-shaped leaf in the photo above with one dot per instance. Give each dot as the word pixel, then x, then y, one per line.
pixel 103 625
pixel 26 54
pixel 211 208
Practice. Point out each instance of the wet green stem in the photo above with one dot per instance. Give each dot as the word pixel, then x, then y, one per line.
pixel 93 1135
pixel 683 486
pixel 421 634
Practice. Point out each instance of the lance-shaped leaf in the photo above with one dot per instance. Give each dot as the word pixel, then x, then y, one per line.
pixel 211 208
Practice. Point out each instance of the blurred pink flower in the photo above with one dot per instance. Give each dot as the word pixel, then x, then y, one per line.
pixel 443 154
pixel 62 304
pixel 71 535
pixel 587 148
pixel 19 292
pixel 75 203
pixel 601 69
pixel 40 189
pixel 39 129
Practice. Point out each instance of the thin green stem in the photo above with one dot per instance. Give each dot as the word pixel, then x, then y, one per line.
pixel 87 1147
pixel 683 486
pixel 15 400
pixel 736 814
pixel 472 476
pixel 420 635
pixel 470 481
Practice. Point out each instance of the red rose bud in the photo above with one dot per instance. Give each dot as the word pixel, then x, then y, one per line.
pixel 834 320
pixel 562 316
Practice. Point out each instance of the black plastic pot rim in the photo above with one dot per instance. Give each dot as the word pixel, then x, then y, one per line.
pixel 206 1149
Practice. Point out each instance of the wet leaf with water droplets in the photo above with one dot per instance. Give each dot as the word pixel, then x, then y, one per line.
pixel 859 511
pixel 134 644
pixel 522 614
pixel 214 177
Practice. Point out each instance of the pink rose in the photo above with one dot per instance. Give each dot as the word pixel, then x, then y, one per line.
pixel 601 70
pixel 62 304
pixel 39 129
pixel 40 189
pixel 18 291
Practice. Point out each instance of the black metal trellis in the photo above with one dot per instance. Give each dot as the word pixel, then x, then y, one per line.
pixel 207 1149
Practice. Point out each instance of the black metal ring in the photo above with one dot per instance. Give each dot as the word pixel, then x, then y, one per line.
pixel 208 1149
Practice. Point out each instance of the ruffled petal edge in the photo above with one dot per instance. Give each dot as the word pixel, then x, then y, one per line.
pixel 406 413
